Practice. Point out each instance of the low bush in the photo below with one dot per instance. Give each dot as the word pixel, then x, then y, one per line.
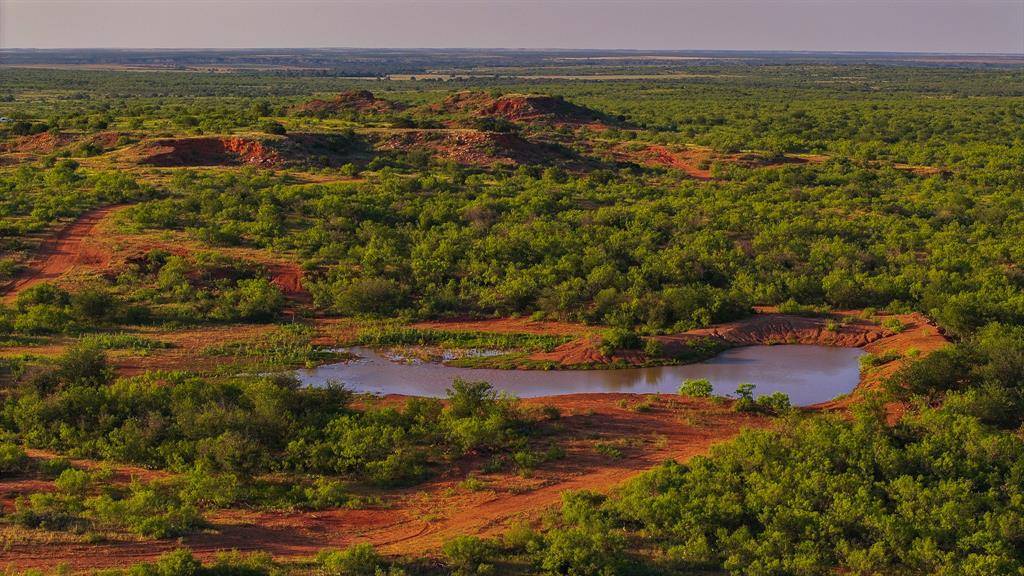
pixel 620 339
pixel 696 388
pixel 356 560
pixel 181 562
pixel 469 555
pixel 12 458
pixel 870 360
pixel 893 324
pixel 81 502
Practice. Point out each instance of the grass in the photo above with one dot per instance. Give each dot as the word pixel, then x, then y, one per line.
pixel 287 345
pixel 388 335
pixel 473 484
pixel 609 449
pixel 122 341
pixel 870 360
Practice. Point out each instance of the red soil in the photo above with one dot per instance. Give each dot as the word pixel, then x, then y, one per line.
pixel 42 143
pixel 73 249
pixel 417 521
pixel 519 108
pixel 686 161
pixel 353 100
pixel 106 140
pixel 471 147
pixel 288 278
pixel 774 328
pixel 208 151
pixel 696 162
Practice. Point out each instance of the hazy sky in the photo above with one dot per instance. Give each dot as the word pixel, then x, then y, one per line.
pixel 841 25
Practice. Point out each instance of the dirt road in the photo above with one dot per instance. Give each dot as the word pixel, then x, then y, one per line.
pixel 72 249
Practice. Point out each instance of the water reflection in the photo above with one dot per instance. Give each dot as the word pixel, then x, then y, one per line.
pixel 808 374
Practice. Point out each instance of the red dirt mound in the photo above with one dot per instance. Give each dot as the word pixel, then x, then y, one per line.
pixel 354 100
pixel 43 143
pixel 208 151
pixel 265 151
pixel 106 140
pixel 688 161
pixel 287 276
pixel 472 147
pixel 521 108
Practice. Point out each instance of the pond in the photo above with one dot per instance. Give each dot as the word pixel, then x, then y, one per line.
pixel 808 374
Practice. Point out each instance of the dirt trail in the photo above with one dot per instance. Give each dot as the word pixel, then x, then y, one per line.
pixel 77 248
pixel 70 250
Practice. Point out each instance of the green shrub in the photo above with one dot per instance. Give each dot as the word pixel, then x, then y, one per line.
pixel 469 555
pixel 42 294
pixel 368 296
pixel 776 403
pixel 152 510
pixel 871 360
pixel 653 348
pixel 793 307
pixel 271 127
pixel 43 319
pixel 179 562
pixel 893 324
pixel 255 299
pixel 94 304
pixel 745 398
pixel 620 339
pixel 326 493
pixel 583 550
pixel 53 466
pixel 84 364
pixel 356 560
pixel 12 459
pixel 696 388
pixel 608 449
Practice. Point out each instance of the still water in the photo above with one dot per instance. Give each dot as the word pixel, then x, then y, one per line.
pixel 808 374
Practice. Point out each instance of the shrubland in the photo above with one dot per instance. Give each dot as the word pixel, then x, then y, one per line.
pixel 884 188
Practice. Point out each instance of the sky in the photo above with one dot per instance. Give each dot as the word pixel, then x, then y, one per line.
pixel 975 26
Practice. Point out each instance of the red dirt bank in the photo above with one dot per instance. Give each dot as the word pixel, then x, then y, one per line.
pixel 208 152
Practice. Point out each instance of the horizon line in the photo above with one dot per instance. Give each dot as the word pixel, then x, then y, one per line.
pixel 510 49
